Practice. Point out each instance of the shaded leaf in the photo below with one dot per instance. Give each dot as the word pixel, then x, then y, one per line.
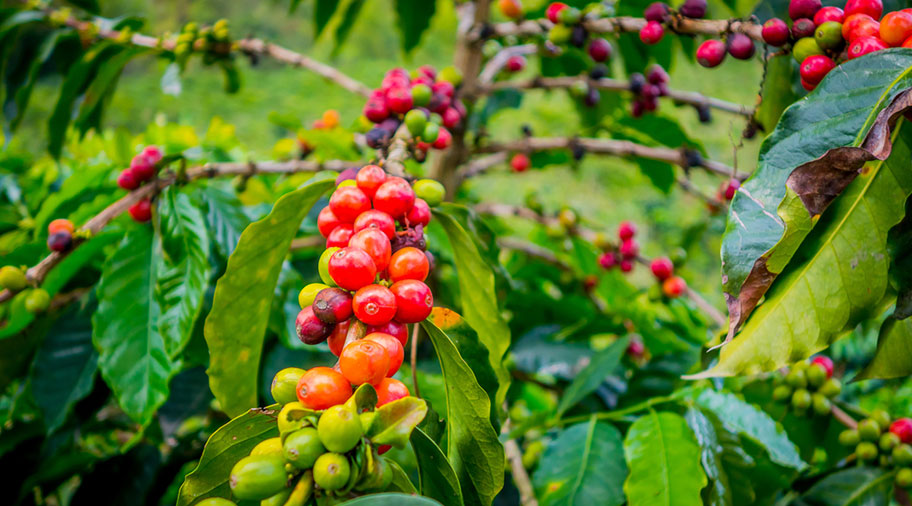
pixel 601 365
pixel 413 18
pixel 893 358
pixel 392 499
pixel 401 482
pixel 899 241
pixel 348 21
pixel 99 93
pixel 859 486
pixel 436 476
pixel 726 464
pixel 323 12
pixel 24 93
pixel 393 422
pixel 225 218
pixel 583 465
pixel 237 322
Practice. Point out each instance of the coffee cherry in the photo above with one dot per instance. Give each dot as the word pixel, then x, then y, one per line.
pixel 860 25
pixel 375 220
pixel 516 63
pixel 152 154
pixel 332 305
pixel 321 388
pixel 849 437
pixel 323 265
pixel 740 46
pixel 815 67
pixel 803 27
pixel 864 45
pixel 420 214
pixel 443 139
pixel 421 95
pixel 349 202
pixel 376 244
pixel 352 268
pixel 127 180
pixel 273 445
pixel 370 177
pixel 284 384
pixel 431 191
pixel 414 300
pixel 661 268
pixel 902 428
pixel 599 50
pixel 451 118
pixel 12 278
pixel 775 32
pixel 608 260
pixel 796 378
pixel 629 249
pixel 652 32
pixel 303 447
pixel 866 451
pixel 336 339
pixel 37 301
pixel 569 16
pixel 626 230
pixel 656 11
pixel 408 263
pixel 331 471
pixel 825 362
pixel 888 441
pixel 711 53
pixel 782 393
pixel 801 399
pixel 376 109
pixel 827 14
pixel 831 388
pixel 904 477
pixel 821 404
pixel 882 417
pixel 394 197
pixel 393 347
pixel 390 390
pixel 896 27
pixel 553 11
pixel 626 265
pixel 141 168
pixel 393 328
pixel 364 362
pixel 672 287
pixel 60 241
pixel 869 430
pixel 374 305
pixel 656 76
pixel 377 137
pixel 327 221
pixel 520 162
pixel 805 47
pixel 729 188
pixel 902 455
pixel 693 9
pixel 307 294
pixel 141 211
pixel 310 329
pixel 510 8
pixel 803 8
pixel 339 429
pixel 399 99
pixel 257 477
pixel 340 236
pixel 873 8
pixel 413 237
pixel 816 375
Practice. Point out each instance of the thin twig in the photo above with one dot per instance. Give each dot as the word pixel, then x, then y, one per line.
pixel 843 417
pixel 413 358
pixel 517 469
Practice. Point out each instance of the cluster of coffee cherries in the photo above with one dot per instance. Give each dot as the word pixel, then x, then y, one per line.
pixel 808 387
pixel 881 441
pixel 143 167
pixel 214 41
pixel 60 235
pixel 647 90
pixel 425 97
pixel 657 14
pixel 13 278
pixel 623 255
pixel 822 37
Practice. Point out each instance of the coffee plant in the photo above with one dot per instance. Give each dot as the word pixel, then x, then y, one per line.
pixel 418 299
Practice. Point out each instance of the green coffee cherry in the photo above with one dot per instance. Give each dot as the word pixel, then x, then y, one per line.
pixel 797 378
pixel 257 477
pixel 849 437
pixel 271 446
pixel 215 501
pixel 430 191
pixel 307 294
pixel 37 301
pixel 569 16
pixel 869 430
pixel 904 477
pixel 902 455
pixel 430 133
pixel 348 182
pixel 782 393
pixel 801 399
pixel 882 417
pixel 816 375
pixel 421 95
pixel 821 404
pixel 278 499
pixel 805 47
pixel 451 75
pixel 339 428
pixel 829 35
pixel 866 451
pixel 831 388
pixel 415 121
pixel 560 34
pixel 323 267
pixel 303 447
pixel 331 471
pixel 888 441
pixel 285 383
pixel 12 278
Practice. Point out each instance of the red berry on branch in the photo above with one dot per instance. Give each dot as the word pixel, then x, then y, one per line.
pixel 775 32
pixel 729 188
pixel 369 178
pixel 141 168
pixel 814 68
pixel 674 287
pixel 376 244
pixel 652 32
pixel 635 348
pixel 420 213
pixel 310 329
pixel 626 230
pixel 399 99
pixel 339 236
pixel 393 348
pixel 345 175
pixel 656 75
pixel 374 305
pixel 374 219
pixel 327 221
pixel 599 49
pixel 322 388
pixel 711 53
pixel 661 268
pixel 740 46
pixel 826 363
pixel 656 11
pixel 510 8
pixel 608 260
pixel 127 180
pixel 390 390
pixel 520 162
pixel 903 428
pixel 896 27
pixel 336 339
pixel 347 202
pixel 803 8
pixel 802 28
pixel 141 211
pixel 332 305
pixel 395 197
pixel 516 63
pixel 873 8
pixel 907 43
pixel 860 25
pixel 626 265
pixel 553 11
pixel 443 139
pixel 693 9
pixel 451 117
pixel 393 328
pixel 376 109
pixel 864 45
pixel 364 361
pixel 444 88
pixel 408 263
pixel 153 154
pixel 806 85
pixel 829 14
pixel 629 249
pixel 414 300
pixel 352 268
pixel 60 225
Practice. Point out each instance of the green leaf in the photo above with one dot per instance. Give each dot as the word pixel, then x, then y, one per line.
pixel 838 277
pixel 343 29
pixel 742 418
pixel 601 365
pixel 413 18
pixel 726 464
pixel 225 218
pixel 899 241
pixel 24 93
pixel 132 356
pixel 893 358
pixel 814 153
pixel 237 322
pixel 393 422
pixel 583 465
pixel 473 448
pixel 477 294
pixel 436 476
pixel 323 12
pixel 364 399
pixel 64 366
pixel 391 499
pixel 778 90
pixel 858 486
pixel 664 462
pixel 183 276
pixel 401 482
pixel 225 447
pixel 99 93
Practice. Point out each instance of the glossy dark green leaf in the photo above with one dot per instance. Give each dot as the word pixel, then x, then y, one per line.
pixel 809 159
pixel 893 358
pixel 778 91
pixel 132 353
pixel 858 486
pixel 225 218
pixel 393 422
pixel 323 12
pixel 664 462
pixel 237 322
pixel 225 447
pixel 583 465
pixel 728 467
pixel 401 481
pixel 392 499
pixel 183 275
pixel 413 18
pixel 436 476
pixel 24 93
pixel 600 366
pixel 473 448
pixel 99 93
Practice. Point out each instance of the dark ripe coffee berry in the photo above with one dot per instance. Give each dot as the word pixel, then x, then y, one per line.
pixel 693 9
pixel 649 92
pixel 377 138
pixel 600 50
pixel 390 125
pixel 656 11
pixel 310 329
pixel 711 53
pixel 578 36
pixel 592 97
pixel 578 152
pixel 775 32
pixel 332 305
pixel 704 114
pixel 598 72
pixel 802 28
pixel 413 237
pixel 740 46
pixel 60 241
pixel 637 81
pixel 803 8
pixel 652 32
pixel 693 158
pixel 637 108
pixel 656 75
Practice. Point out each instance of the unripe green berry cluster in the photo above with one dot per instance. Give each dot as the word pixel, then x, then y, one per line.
pixel 881 441
pixel 808 387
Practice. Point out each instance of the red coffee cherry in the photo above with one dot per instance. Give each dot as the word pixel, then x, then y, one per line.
pixel 656 11
pixel 393 328
pixel 321 388
pixel 364 362
pixel 740 46
pixel 826 363
pixel 408 263
pixel 60 241
pixel 347 202
pixel 775 32
pixel 626 230
pixel 352 268
pixel 376 244
pixel 636 349
pixel 729 188
pixel 420 214
pixel 516 63
pixel 443 139
pixel 310 329
pixel 451 117
pixel 127 180
pixel 674 287
pixel 374 305
pixel 60 225
pixel 520 162
pixel 336 339
pixel 395 197
pixel 152 154
pixel 390 390
pixel 711 53
pixel 896 27
pixel 340 236
pixel 377 220
pixel 399 99
pixel 860 25
pixel 608 260
pixel 369 178
pixel 332 305
pixel 693 9
pixel 393 348
pixel 662 268
pixel 803 27
pixel 141 211
pixel 652 32
pixel 141 168
pixel 599 50
pixel 553 11
pixel 629 249
pixel 864 45
pixel 414 300
pixel 813 69
pixel 510 8
pixel 873 8
pixel 829 14
pixel 626 265
pixel 903 429
pixel 376 109
pixel 327 221
pixel 803 8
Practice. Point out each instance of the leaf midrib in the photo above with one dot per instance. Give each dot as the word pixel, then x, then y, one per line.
pixel 590 433
pixel 866 489
pixel 863 132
